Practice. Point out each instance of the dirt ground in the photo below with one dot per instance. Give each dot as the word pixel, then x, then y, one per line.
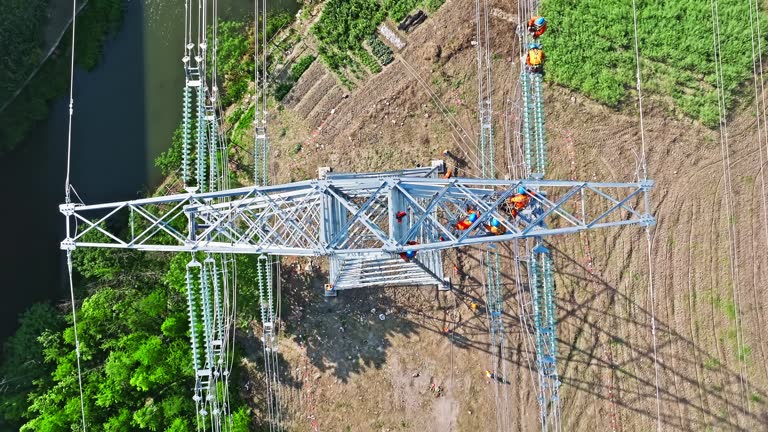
pixel 345 369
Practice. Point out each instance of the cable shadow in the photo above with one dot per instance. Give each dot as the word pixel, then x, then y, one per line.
pixel 594 316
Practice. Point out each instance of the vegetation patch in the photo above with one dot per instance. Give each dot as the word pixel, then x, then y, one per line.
pixel 134 340
pixel 301 66
pixel 368 60
pixel 590 47
pixel 380 50
pixel 234 56
pixel 345 24
pixel 96 22
pixel 711 364
pixel 399 9
pixel 21 41
pixel 297 70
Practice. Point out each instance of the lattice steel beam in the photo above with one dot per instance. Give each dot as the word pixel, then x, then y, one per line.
pixel 302 218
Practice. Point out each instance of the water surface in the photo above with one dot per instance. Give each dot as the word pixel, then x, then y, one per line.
pixel 125 113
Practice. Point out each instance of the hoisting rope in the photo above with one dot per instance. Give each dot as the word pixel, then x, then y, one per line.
pixel 649 242
pixel 67 199
pixel 643 163
pixel 77 341
pixel 764 137
pixel 652 295
pixel 71 103
pixel 726 158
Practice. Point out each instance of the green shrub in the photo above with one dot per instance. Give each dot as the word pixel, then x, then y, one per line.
pixel 344 23
pixel 380 50
pixel 282 89
pixel 21 41
pixel 433 5
pixel 301 66
pixel 368 60
pixel 399 9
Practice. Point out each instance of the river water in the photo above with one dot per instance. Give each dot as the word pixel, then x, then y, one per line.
pixel 125 113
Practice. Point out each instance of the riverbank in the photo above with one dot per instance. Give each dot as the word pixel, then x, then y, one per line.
pixel 96 22
pixel 59 20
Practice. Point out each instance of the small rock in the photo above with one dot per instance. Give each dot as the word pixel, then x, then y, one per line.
pixel 317 376
pixel 416 375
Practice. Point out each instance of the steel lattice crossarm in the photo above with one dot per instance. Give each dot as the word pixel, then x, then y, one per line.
pixel 337 216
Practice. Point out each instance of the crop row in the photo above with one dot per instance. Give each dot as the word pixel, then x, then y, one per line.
pixel 590 48
pixel 380 50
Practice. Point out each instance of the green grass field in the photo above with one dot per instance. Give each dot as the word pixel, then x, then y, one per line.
pixel 590 48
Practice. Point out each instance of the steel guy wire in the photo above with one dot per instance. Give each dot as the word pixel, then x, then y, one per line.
pixel 67 200
pixel 765 140
pixel 725 150
pixel 651 290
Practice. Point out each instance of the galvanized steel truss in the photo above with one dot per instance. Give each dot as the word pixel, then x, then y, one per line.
pixel 335 217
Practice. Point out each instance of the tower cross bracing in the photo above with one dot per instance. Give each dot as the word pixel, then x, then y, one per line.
pixel 304 218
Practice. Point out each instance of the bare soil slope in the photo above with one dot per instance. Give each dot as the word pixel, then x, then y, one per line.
pixel 347 370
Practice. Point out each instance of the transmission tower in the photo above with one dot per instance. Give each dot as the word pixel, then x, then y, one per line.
pixel 540 266
pixel 379 228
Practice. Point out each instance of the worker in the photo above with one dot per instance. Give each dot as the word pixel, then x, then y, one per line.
pixel 537 26
pixel 400 215
pixel 473 306
pixel 496 228
pixel 407 256
pixel 490 375
pixel 519 201
pixel 466 223
pixel 534 60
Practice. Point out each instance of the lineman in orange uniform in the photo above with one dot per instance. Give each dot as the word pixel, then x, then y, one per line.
pixel 472 216
pixel 518 201
pixel 534 60
pixel 496 228
pixel 537 26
